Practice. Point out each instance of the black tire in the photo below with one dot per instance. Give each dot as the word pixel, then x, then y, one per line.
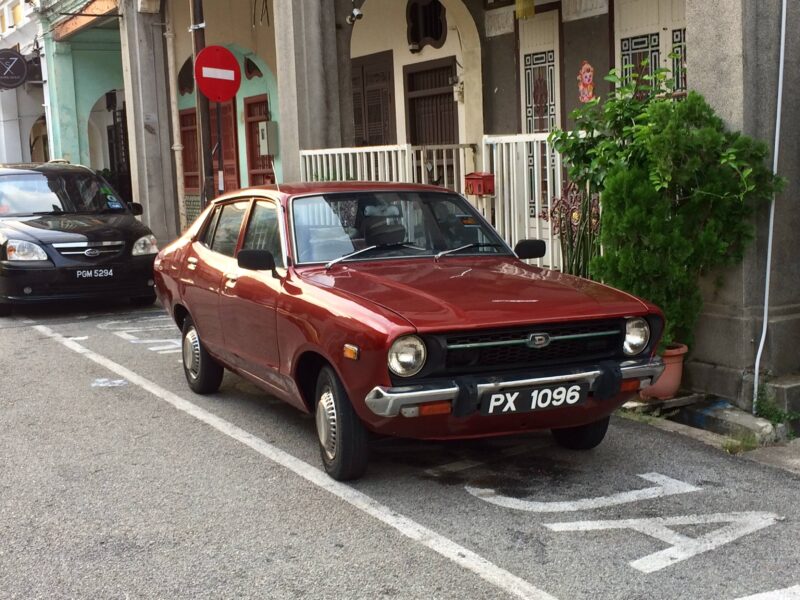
pixel 584 437
pixel 5 310
pixel 203 373
pixel 343 440
pixel 142 301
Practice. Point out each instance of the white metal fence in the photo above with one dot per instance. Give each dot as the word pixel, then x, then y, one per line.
pixel 528 176
pixel 444 165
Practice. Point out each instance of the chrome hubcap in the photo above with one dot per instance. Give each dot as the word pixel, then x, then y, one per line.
pixel 191 353
pixel 326 423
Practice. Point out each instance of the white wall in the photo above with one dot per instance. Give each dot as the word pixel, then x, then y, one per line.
pixel 384 28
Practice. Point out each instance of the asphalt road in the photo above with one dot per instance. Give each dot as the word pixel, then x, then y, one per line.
pixel 116 481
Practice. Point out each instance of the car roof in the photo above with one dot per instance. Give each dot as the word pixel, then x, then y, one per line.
pixel 43 168
pixel 290 190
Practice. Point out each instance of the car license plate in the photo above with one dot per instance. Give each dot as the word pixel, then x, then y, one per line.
pixel 519 400
pixel 94 273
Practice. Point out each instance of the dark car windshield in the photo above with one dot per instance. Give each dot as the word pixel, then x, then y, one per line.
pixel 372 225
pixel 54 193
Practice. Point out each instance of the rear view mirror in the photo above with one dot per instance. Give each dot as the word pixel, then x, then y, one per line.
pixel 530 249
pixel 136 208
pixel 256 260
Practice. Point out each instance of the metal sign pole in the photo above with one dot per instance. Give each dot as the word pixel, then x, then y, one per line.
pixel 220 160
pixel 203 119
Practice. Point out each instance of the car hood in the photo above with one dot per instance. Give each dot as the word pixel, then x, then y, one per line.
pixel 475 293
pixel 51 229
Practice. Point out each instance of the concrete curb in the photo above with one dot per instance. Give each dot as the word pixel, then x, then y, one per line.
pixel 723 418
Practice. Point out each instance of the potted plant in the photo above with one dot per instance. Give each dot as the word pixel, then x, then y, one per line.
pixel 678 190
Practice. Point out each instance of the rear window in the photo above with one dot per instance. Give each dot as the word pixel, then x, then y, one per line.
pixel 56 193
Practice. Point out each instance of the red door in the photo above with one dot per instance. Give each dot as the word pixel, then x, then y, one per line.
pixel 248 303
pixel 259 163
pixel 209 264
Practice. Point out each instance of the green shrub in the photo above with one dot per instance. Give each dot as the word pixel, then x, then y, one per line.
pixel 678 191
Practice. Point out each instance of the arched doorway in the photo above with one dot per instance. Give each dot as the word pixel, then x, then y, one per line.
pixel 38 141
pixel 108 141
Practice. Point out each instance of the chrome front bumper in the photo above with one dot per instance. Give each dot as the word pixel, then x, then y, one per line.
pixel 389 401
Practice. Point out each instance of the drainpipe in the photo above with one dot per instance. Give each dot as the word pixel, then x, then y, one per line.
pixel 775 153
pixel 177 146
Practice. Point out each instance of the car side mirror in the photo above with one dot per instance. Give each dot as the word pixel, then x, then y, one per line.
pixel 530 249
pixel 257 260
pixel 136 208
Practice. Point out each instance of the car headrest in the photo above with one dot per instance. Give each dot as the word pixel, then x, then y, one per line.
pixel 378 232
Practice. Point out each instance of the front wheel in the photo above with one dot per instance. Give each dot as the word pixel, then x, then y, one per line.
pixel 583 437
pixel 5 310
pixel 203 373
pixel 143 301
pixel 342 437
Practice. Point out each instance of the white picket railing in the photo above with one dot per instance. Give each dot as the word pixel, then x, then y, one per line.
pixel 528 175
pixel 444 165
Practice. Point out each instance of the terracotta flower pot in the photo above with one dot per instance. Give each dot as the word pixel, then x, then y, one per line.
pixel 670 380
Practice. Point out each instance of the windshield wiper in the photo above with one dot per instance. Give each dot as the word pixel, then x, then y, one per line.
pixel 467 247
pixel 49 212
pixel 328 265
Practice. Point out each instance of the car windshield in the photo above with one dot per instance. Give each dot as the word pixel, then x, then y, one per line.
pixel 372 225
pixel 56 193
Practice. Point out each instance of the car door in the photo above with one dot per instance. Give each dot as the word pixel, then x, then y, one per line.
pixel 209 260
pixel 249 301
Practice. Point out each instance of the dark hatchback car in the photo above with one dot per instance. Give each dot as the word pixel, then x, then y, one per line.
pixel 65 234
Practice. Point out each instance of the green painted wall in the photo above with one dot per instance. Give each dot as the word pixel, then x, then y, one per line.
pixel 80 71
pixel 250 87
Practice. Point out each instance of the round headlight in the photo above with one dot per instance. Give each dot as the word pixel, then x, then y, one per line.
pixel 637 336
pixel 407 356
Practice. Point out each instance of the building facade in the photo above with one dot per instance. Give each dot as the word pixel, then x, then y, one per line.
pixel 415 90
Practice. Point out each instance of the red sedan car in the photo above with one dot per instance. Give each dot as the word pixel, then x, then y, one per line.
pixel 397 309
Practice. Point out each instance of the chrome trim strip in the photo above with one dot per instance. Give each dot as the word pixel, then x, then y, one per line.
pixel 389 401
pixel 87 244
pixel 524 342
pixel 83 252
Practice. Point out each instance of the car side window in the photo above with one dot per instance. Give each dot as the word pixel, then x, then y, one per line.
pixel 263 231
pixel 208 234
pixel 228 226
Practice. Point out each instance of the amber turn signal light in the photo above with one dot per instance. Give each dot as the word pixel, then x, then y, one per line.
pixel 435 408
pixel 350 351
pixel 629 385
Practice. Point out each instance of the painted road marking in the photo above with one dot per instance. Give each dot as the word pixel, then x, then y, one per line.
pixel 682 546
pixel 792 593
pixel 104 382
pixel 171 345
pixel 666 486
pixel 440 544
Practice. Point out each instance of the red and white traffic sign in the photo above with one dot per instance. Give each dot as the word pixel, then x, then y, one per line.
pixel 217 73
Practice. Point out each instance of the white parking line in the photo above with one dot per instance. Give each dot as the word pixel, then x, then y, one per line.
pixel 440 544
pixel 792 593
pixel 666 486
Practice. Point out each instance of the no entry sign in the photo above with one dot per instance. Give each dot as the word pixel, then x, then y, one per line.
pixel 217 73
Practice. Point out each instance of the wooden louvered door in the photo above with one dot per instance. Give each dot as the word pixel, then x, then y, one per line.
pixel 432 113
pixel 373 100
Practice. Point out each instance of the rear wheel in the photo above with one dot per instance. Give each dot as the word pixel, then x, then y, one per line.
pixel 5 310
pixel 583 437
pixel 203 373
pixel 342 437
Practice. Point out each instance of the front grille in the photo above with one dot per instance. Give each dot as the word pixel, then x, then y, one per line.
pixel 83 251
pixel 507 349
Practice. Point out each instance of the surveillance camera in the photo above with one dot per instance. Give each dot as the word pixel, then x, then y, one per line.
pixel 354 16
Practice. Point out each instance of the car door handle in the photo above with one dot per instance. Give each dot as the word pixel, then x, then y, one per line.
pixel 231 277
pixel 192 262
